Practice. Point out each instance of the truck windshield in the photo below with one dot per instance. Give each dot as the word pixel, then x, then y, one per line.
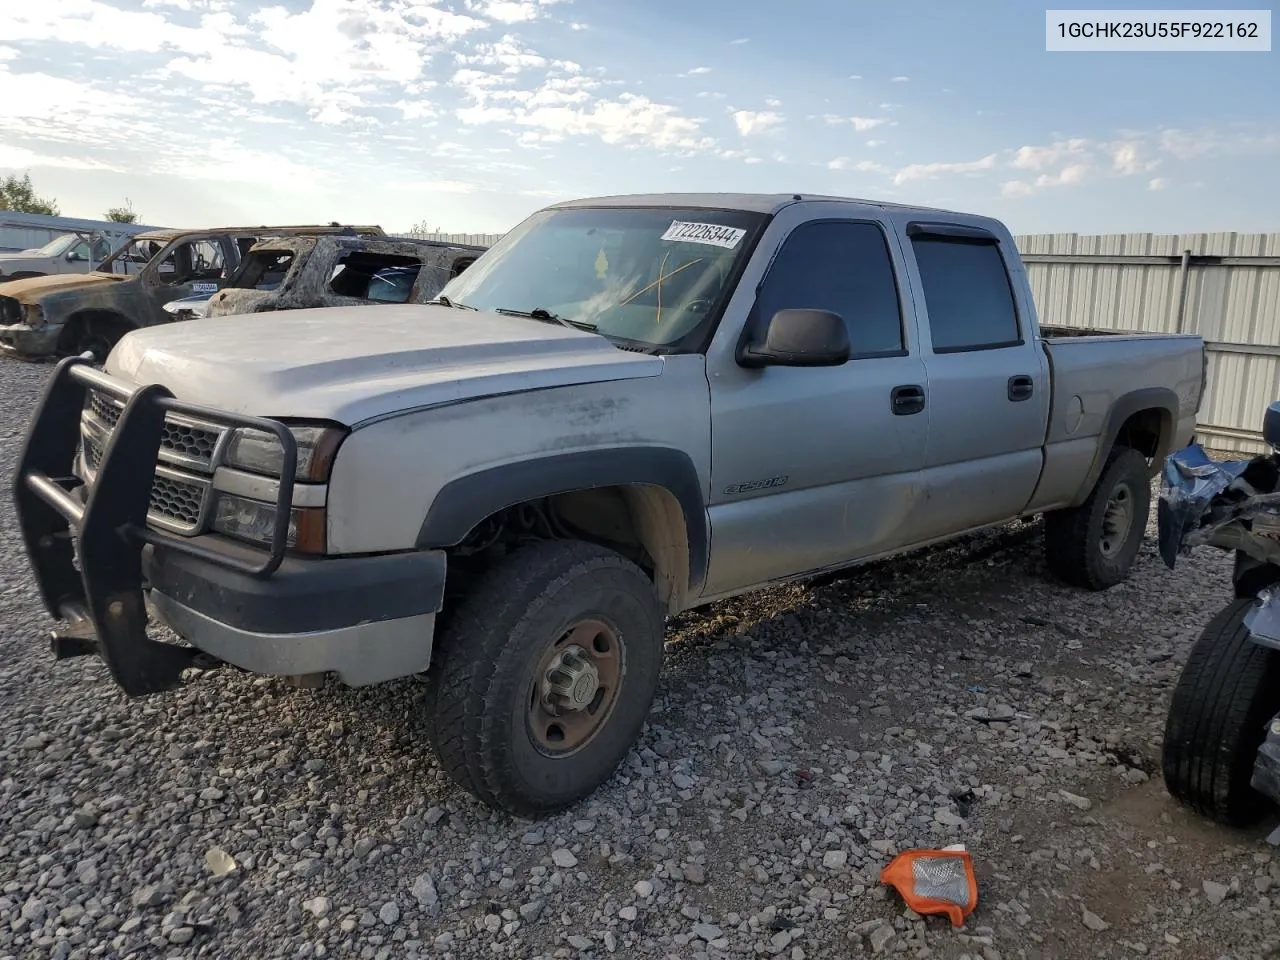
pixel 650 275
pixel 133 256
pixel 58 245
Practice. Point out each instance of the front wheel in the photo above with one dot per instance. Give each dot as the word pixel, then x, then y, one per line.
pixel 543 677
pixel 1228 690
pixel 1094 545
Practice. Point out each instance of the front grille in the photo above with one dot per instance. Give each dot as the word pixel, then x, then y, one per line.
pixel 183 474
pixel 178 501
pixel 182 440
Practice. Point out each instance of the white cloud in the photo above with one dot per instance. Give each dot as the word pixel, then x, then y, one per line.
pixel 575 25
pixel 855 76
pixel 772 102
pixel 900 79
pixel 928 171
pixel 740 40
pixel 752 122
pixel 1073 174
pixel 20 158
pixel 695 72
pixel 1157 183
pixel 860 166
pixel 507 11
pixel 875 143
pixel 1043 157
pixel 1127 158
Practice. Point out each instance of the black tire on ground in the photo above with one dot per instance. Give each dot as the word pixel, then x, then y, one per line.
pixel 498 700
pixel 1217 719
pixel 1094 545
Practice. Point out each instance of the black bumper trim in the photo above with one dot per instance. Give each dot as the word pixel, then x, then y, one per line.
pixel 303 595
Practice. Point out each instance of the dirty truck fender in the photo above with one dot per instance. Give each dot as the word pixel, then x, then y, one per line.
pixel 1125 406
pixel 465 501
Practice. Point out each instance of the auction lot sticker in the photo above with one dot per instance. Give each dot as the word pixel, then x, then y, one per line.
pixel 714 234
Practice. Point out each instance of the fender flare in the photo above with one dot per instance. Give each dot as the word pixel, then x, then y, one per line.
pixel 465 501
pixel 1125 406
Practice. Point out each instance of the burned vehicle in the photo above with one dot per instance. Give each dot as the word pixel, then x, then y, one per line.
pixel 78 313
pixel 1222 734
pixel 289 273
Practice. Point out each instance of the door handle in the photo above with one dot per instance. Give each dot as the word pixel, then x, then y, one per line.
pixel 1021 387
pixel 906 399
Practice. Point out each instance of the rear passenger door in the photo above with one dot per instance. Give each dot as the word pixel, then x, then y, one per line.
pixel 988 381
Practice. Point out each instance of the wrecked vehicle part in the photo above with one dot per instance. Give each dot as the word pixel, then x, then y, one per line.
pixel 1231 504
pixel 301 272
pixel 72 314
pixel 1266 765
pixel 188 308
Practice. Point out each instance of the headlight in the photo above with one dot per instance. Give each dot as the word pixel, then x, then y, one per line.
pixel 255 521
pixel 260 452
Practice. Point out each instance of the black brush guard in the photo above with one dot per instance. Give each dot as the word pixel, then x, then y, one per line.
pixel 107 529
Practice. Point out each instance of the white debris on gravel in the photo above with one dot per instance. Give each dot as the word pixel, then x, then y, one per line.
pixel 801 737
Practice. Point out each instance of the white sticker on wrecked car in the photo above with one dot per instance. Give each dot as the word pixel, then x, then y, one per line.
pixel 204 288
pixel 712 233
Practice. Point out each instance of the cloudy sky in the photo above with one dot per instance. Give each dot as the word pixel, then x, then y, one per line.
pixel 469 114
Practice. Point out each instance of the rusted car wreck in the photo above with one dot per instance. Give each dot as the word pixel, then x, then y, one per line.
pixel 290 273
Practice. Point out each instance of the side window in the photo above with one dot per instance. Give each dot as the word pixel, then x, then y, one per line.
pixel 384 277
pixel 80 251
pixel 843 267
pixel 967 294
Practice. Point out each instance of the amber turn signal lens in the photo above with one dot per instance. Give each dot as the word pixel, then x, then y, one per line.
pixel 935 881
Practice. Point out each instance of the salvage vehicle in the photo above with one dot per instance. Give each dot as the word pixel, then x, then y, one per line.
pixel 48 316
pixel 77 252
pixel 626 408
pixel 291 273
pixel 1221 754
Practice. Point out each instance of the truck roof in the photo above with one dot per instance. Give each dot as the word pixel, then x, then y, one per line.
pixel 751 202
pixel 168 235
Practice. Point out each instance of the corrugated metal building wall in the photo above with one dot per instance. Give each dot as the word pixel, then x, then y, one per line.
pixel 27 231
pixel 1223 286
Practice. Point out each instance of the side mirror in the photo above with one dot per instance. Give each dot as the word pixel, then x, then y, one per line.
pixel 799 338
pixel 72 256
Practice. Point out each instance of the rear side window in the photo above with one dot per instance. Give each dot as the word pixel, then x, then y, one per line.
pixel 967 294
pixel 842 267
pixel 385 277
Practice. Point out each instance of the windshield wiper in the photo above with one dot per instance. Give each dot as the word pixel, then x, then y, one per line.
pixel 546 316
pixel 456 304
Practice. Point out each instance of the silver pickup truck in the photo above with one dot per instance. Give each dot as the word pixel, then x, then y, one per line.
pixel 628 407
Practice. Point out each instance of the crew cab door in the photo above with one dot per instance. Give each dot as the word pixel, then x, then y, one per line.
pixel 813 467
pixel 988 382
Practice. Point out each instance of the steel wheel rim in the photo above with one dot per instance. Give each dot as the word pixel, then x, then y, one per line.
pixel 1117 520
pixel 575 687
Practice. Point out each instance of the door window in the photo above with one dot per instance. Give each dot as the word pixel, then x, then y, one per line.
pixel 843 267
pixel 967 294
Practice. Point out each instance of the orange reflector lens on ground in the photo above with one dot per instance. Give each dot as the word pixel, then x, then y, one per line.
pixel 935 881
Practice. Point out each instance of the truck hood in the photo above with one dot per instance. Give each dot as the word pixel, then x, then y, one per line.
pixel 354 364
pixel 33 288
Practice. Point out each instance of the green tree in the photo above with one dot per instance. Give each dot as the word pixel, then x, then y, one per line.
pixel 20 197
pixel 125 214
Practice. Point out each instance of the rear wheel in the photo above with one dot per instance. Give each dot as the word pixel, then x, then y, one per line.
pixel 1094 545
pixel 542 678
pixel 1228 690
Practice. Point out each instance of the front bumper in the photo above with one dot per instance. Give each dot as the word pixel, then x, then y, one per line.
pixel 25 341
pixel 367 618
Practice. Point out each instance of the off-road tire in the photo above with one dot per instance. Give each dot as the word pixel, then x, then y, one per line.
pixel 1228 690
pixel 486 658
pixel 1073 538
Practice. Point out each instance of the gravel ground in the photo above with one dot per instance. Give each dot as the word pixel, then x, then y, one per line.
pixel 801 737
